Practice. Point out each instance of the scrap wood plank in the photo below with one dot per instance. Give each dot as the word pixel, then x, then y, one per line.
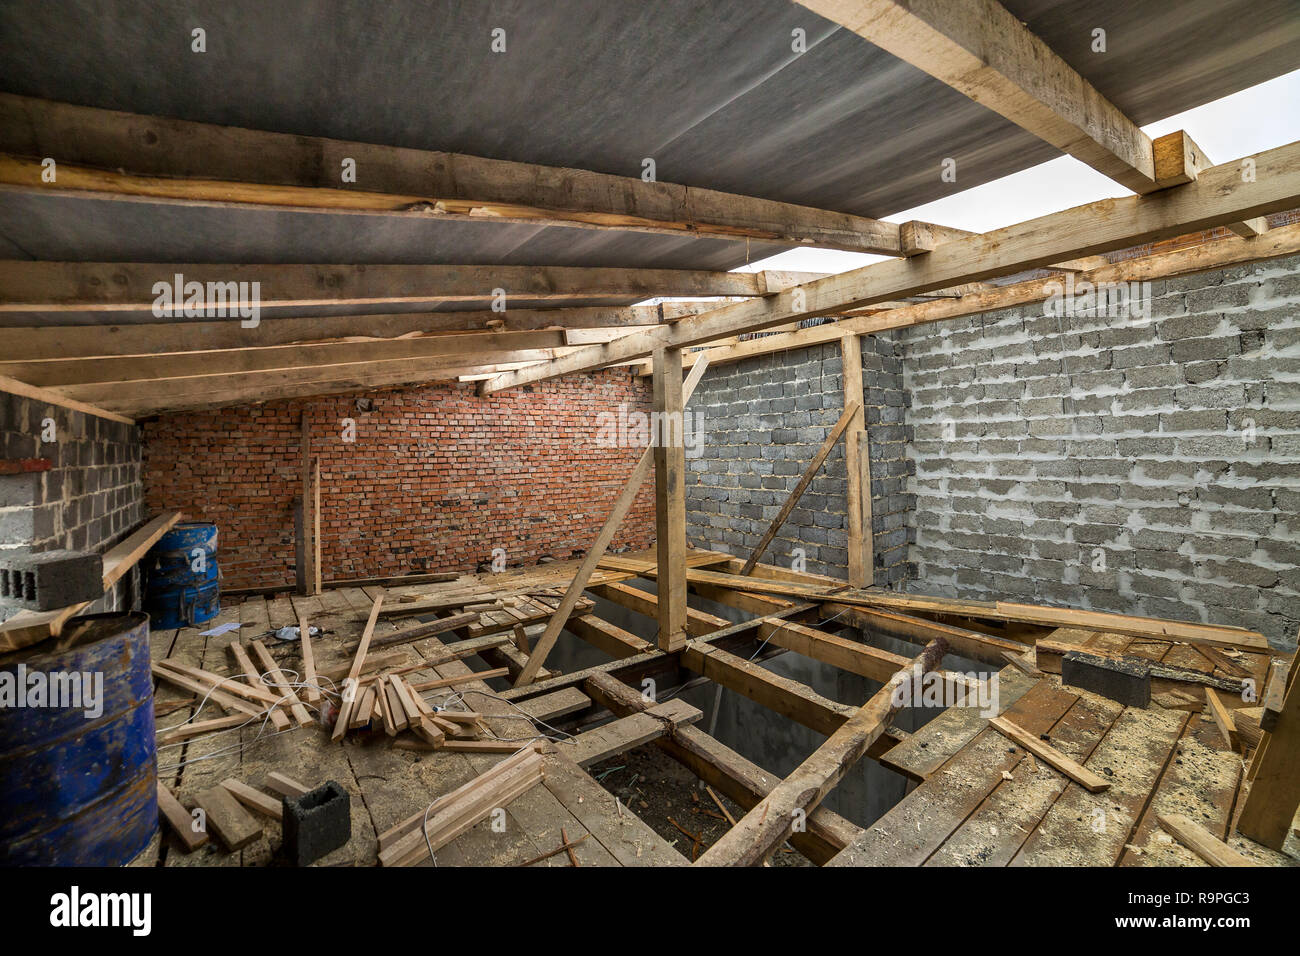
pixel 373 662
pixel 1131 756
pixel 346 707
pixel 456 812
pixel 203 690
pixel 537 815
pixel 426 630
pixel 283 685
pixel 234 826
pixel 1205 844
pixel 404 828
pixel 757 835
pixel 924 751
pixel 256 800
pixel 285 785
pixel 622 504
pixel 312 685
pixel 179 819
pixel 1274 694
pixel 463 814
pixel 1223 718
pixel 997 828
pixel 185 731
pixel 509 618
pixel 255 692
pixel 716 764
pixel 628 839
pixel 1219 659
pixel 915 827
pixel 29 627
pixel 1200 783
pixel 453 681
pixel 626 733
pixel 254 677
pixel 1050 755
pixel 850 411
pixel 1049 653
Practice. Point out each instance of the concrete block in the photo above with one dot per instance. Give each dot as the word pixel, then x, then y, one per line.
pixel 50 579
pixel 1125 680
pixel 316 823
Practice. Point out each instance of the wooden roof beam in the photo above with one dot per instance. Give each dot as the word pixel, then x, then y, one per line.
pixel 1219 196
pixel 211 391
pixel 27 286
pixel 980 49
pixel 111 155
pixel 480 348
pixel 45 342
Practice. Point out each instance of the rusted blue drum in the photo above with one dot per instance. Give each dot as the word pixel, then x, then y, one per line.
pixel 78 775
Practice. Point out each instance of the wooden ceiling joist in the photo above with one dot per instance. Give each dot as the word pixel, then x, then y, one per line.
pixel 980 49
pixel 235 387
pixel 1217 197
pixel 480 348
pixel 106 154
pixel 52 342
pixel 27 286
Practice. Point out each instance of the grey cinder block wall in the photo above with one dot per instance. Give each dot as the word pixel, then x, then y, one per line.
pixel 1144 463
pixel 763 420
pixel 90 497
pixel 1131 464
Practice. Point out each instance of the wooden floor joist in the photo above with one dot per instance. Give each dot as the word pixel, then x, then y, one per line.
pixel 764 827
pixel 722 767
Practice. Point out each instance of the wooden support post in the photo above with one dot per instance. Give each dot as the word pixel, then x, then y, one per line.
pixel 793 499
pixel 772 820
pixel 622 504
pixel 857 466
pixel 670 498
pixel 315 525
pixel 1275 793
pixel 307 577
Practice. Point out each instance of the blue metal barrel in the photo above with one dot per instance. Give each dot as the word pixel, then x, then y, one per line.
pixel 177 595
pixel 78 783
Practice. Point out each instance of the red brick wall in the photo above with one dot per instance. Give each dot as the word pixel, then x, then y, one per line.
pixel 436 478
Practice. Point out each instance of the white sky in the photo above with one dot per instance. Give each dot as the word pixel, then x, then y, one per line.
pixel 1245 123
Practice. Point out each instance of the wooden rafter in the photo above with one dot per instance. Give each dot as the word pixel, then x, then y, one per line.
pixel 1217 197
pixel 129 286
pixel 45 342
pixel 105 154
pixel 480 348
pixel 236 387
pixel 981 50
